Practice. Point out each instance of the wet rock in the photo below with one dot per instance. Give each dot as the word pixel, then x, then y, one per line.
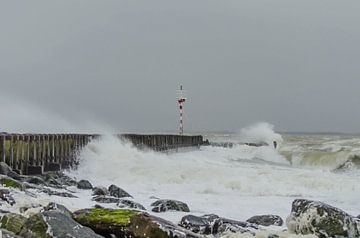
pixel 84 184
pixel 207 224
pixel 36 180
pixel 164 205
pixel 266 220
pixel 6 170
pixel 115 191
pixel 323 220
pixel 58 179
pixel 125 203
pixel 98 206
pixel 58 207
pixel 106 199
pixel 26 208
pixel 5 196
pixel 98 191
pixel 13 222
pixel 8 234
pixel 56 193
pixel 54 224
pixel 213 225
pixel 11 183
pixel 129 223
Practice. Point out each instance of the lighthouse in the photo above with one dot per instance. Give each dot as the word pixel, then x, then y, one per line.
pixel 181 101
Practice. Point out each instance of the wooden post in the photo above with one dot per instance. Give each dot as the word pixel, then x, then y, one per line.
pixel 17 153
pixel 2 148
pixel 11 150
pixel 52 148
pixel 21 160
pixel 26 153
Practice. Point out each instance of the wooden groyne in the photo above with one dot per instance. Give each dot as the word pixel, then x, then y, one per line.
pixel 38 153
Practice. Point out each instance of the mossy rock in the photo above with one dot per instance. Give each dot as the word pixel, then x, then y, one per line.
pixel 8 182
pixel 13 222
pixel 127 223
pixel 323 220
pixel 35 227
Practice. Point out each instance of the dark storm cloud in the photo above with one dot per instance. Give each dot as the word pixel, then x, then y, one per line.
pixel 118 63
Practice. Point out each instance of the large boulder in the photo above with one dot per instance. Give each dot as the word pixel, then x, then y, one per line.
pixel 129 223
pixel 164 205
pixel 13 222
pixel 115 191
pixel 266 220
pixel 214 225
pixel 54 223
pixel 323 220
pixel 84 184
pixel 6 170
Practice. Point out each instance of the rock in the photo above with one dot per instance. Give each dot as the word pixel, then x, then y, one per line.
pixel 323 220
pixel 84 184
pixel 6 170
pixel 26 208
pixel 213 225
pixel 129 223
pixel 58 179
pixel 164 205
pixel 36 180
pixel 106 199
pixel 13 222
pixel 58 207
pixel 97 191
pixel 56 193
pixel 54 223
pixel 5 196
pixel 8 234
pixel 11 183
pixel 266 220
pixel 125 203
pixel 115 191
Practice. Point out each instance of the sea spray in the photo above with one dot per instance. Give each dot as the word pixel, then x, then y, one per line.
pixel 215 180
pixel 260 132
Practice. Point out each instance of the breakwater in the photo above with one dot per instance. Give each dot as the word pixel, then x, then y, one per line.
pixel 38 153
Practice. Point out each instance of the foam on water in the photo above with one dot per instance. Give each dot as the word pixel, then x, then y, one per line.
pixel 235 183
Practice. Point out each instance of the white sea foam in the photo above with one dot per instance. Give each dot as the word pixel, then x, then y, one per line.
pixel 235 183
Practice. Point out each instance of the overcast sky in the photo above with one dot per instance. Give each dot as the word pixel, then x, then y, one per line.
pixel 70 65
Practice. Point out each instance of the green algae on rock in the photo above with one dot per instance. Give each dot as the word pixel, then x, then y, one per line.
pixel 128 223
pixel 35 227
pixel 13 222
pixel 9 182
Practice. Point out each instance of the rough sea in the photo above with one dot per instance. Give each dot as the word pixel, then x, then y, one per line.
pixel 234 183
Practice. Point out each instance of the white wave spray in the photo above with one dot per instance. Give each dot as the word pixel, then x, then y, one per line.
pixel 215 180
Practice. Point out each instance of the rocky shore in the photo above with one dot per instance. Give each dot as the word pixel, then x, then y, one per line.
pixel 23 214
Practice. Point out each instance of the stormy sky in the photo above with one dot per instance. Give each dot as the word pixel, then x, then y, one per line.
pixel 84 65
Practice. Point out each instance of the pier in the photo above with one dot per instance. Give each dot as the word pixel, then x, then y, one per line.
pixel 30 154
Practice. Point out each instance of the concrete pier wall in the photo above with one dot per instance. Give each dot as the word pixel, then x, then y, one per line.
pixel 38 153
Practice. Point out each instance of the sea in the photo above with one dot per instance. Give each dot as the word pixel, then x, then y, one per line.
pixel 235 183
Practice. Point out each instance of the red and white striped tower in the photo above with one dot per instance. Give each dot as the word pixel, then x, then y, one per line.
pixel 181 101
